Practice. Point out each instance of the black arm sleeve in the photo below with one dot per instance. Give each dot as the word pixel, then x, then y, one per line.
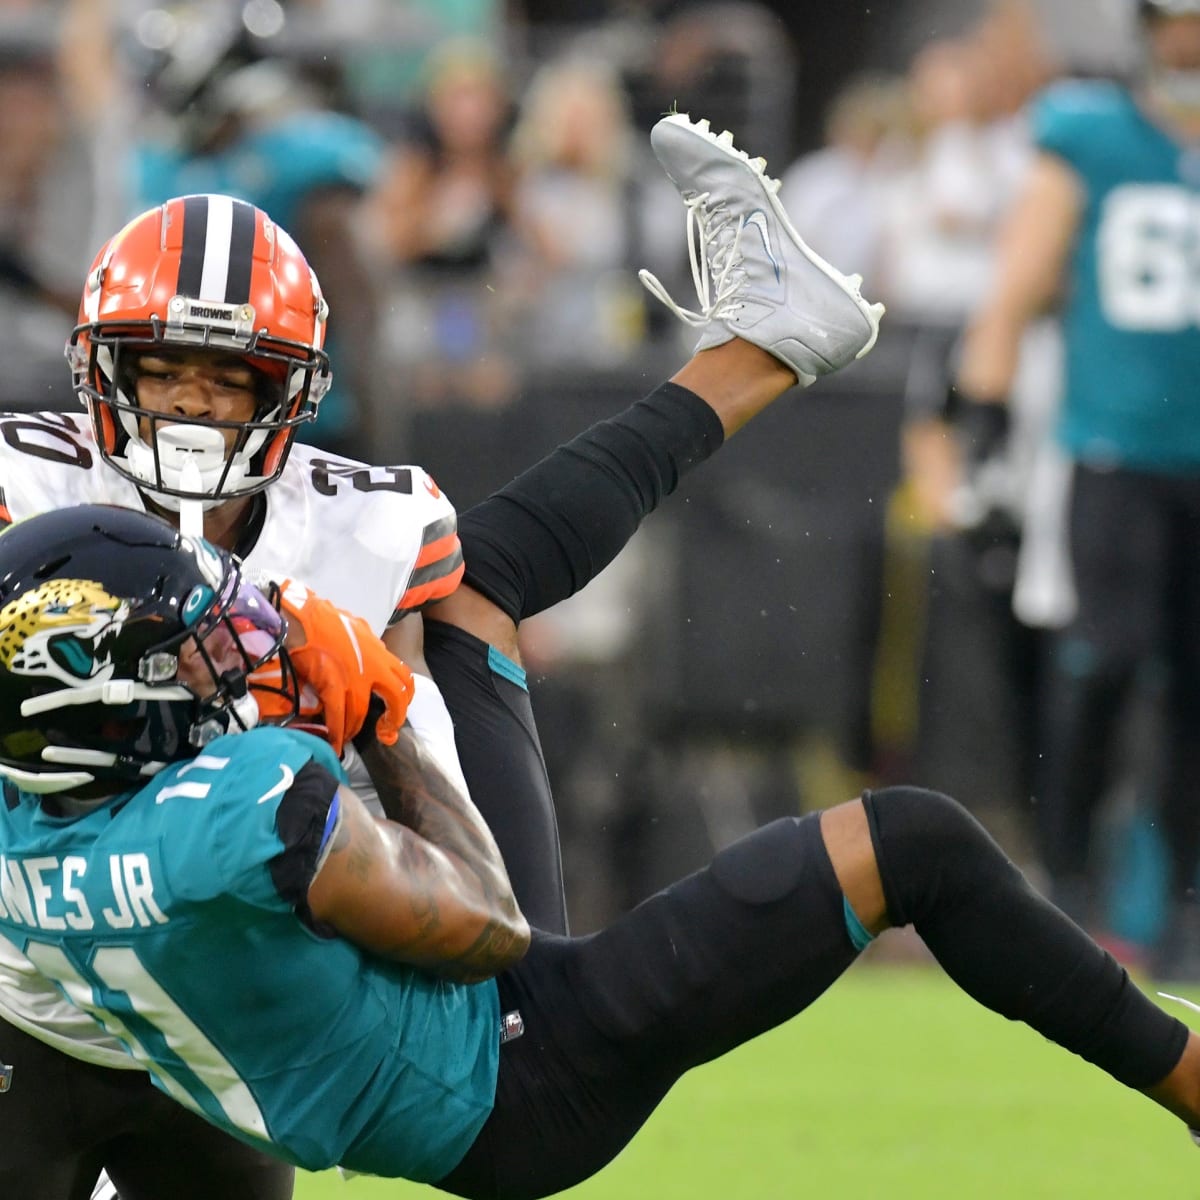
pixel 556 526
pixel 301 824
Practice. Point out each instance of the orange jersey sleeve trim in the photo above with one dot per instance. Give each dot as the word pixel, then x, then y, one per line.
pixel 436 589
pixel 438 569
pixel 445 547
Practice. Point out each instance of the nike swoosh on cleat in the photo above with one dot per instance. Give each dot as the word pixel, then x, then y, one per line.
pixel 281 787
pixel 759 220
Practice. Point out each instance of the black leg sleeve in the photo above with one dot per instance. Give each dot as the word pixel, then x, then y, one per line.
pixel 556 526
pixel 501 758
pixel 1008 947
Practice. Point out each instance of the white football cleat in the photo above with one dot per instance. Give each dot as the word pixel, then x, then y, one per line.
pixel 755 278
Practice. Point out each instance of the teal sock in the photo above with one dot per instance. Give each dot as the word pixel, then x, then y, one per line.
pixel 859 936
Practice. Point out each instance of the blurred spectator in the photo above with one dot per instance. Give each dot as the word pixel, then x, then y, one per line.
pixel 42 200
pixel 977 663
pixel 231 115
pixel 940 219
pixel 942 222
pixel 835 195
pixel 387 68
pixel 1017 59
pixel 733 61
pixel 437 216
pixel 1105 223
pixel 591 207
pixel 447 189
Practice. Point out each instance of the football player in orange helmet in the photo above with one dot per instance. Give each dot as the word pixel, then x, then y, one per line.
pixel 200 273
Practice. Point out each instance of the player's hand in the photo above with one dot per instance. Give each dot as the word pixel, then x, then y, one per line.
pixel 982 425
pixel 342 665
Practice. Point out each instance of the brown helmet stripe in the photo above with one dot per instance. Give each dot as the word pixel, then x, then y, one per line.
pixel 191 255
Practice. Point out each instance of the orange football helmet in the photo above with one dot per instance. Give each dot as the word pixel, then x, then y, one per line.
pixel 200 272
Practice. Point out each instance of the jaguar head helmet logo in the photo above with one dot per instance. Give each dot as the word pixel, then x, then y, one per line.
pixel 64 630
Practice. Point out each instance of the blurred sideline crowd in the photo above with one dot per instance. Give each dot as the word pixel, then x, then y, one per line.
pixel 828 606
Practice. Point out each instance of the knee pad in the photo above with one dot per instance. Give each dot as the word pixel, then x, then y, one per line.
pixel 769 864
pixel 929 849
pixel 764 866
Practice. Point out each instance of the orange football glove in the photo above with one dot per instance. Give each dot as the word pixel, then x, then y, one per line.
pixel 341 664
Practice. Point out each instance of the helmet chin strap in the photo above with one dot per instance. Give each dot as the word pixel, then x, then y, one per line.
pixel 238 716
pixel 191 512
pixel 190 458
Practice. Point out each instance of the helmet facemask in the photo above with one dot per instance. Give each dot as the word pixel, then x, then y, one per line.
pixel 203 273
pixel 156 718
pixel 150 448
pixel 105 683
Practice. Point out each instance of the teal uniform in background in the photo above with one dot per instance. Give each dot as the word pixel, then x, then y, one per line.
pixel 276 167
pixel 1130 422
pixel 1131 318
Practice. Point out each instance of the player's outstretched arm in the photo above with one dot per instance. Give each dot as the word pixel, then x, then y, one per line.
pixel 1032 256
pixel 431 891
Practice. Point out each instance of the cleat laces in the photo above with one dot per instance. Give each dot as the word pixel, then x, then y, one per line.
pixel 713 237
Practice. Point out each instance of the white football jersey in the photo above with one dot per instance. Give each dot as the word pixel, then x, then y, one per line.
pixel 378 541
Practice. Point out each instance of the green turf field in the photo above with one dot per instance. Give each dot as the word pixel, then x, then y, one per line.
pixel 893 1085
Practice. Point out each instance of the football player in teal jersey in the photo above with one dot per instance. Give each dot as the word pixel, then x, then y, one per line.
pixel 207 896
pixel 1109 230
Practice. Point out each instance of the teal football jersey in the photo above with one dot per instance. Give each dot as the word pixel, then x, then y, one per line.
pixel 1132 317
pixel 276 166
pixel 156 913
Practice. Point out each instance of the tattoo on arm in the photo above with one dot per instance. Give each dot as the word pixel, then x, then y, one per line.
pixel 358 858
pixel 453 837
pixel 414 792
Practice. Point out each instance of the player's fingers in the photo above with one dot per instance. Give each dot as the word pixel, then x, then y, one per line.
pixel 324 672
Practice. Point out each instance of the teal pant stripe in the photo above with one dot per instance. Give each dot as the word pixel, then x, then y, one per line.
pixel 859 937
pixel 504 666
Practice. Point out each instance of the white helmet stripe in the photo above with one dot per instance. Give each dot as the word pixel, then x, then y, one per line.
pixel 215 275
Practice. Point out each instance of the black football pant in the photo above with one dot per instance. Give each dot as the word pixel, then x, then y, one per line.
pixel 502 760
pixel 613 1019
pixel 1135 549
pixel 62 1120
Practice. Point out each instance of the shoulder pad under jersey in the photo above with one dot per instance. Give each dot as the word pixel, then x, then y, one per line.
pixel 379 541
pixel 49 460
pixel 1075 119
